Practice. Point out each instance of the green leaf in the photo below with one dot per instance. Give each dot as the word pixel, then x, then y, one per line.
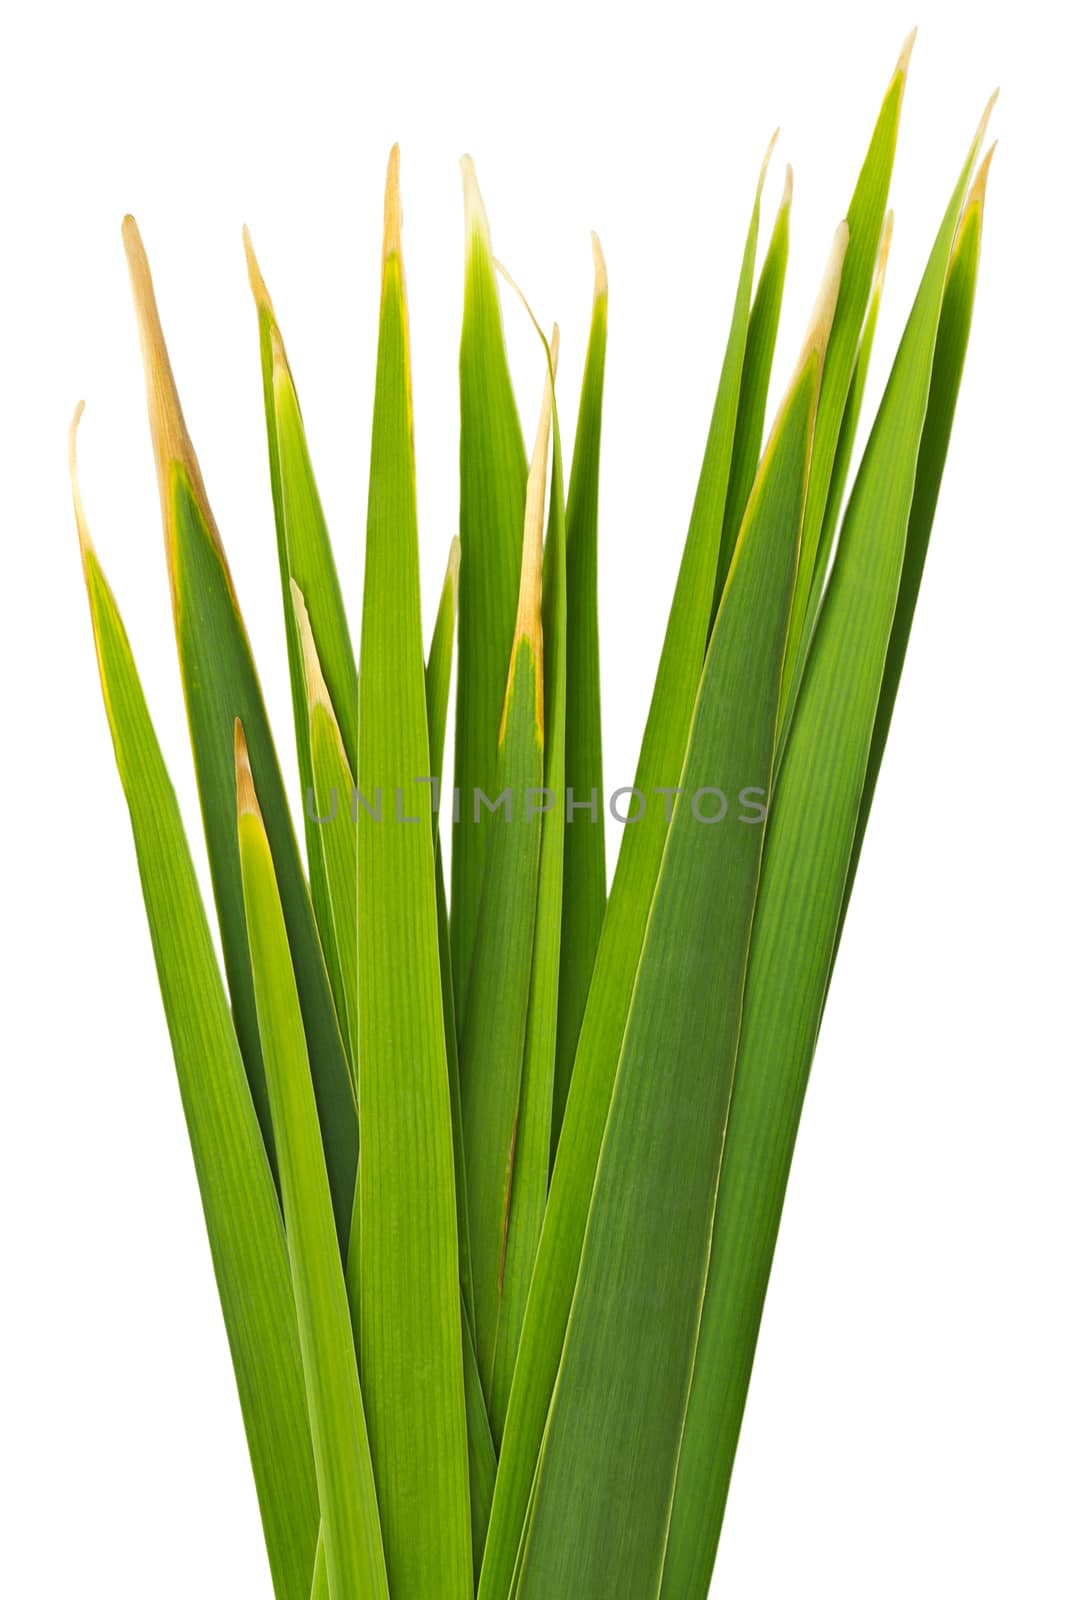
pixel 331 819
pixel 585 870
pixel 438 684
pixel 952 338
pixel 493 1030
pixel 816 803
pixel 409 1303
pixel 492 493
pixel 481 1451
pixel 601 1504
pixel 305 557
pixel 241 1211
pixel 532 1152
pixel 220 683
pixel 351 1529
pixel 865 220
pixel 755 383
pixel 661 759
pixel 841 464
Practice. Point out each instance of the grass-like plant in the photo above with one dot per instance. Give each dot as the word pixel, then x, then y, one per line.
pixel 492 1183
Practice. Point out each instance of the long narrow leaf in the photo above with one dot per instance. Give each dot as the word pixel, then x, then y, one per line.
pixel 305 557
pixel 493 1032
pixel 810 840
pixel 409 1302
pixel 865 218
pixel 755 383
pixel 220 683
pixel 481 1450
pixel 532 1154
pixel 585 869
pixel 659 767
pixel 601 1505
pixel 351 1528
pixel 953 334
pixel 240 1204
pixel 492 493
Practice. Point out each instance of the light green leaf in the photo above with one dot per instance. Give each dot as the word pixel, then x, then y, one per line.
pixel 351 1529
pixel 409 1302
pixel 492 493
pixel 585 871
pixel 532 1153
pixel 241 1210
pixel 220 683
pixel 493 1030
pixel 305 557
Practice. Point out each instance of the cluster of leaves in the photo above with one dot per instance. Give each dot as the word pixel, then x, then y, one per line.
pixel 492 1186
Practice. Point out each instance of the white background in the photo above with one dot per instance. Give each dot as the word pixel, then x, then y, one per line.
pixel 904 1433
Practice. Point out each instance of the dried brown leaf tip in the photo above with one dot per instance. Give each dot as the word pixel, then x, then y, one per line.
pixel 247 801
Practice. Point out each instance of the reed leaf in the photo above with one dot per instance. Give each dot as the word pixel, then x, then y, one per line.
pixel 221 684
pixel 865 218
pixel 532 1152
pixel 585 868
pixel 351 1529
pixel 755 383
pixel 305 557
pixel 331 820
pixel 492 494
pixel 493 1030
pixel 409 1302
pixel 240 1204
pixel 810 842
pixel 600 1508
pixel 661 759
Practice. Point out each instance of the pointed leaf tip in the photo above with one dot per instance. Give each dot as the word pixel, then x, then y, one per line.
pixel 75 488
pixel 477 221
pixel 247 801
pixel 393 209
pixel 455 552
pixel 786 192
pixel 766 161
pixel 979 186
pixel 599 267
pixel 255 277
pixel 170 436
pixel 982 126
pixel 825 304
pixel 314 682
pixel 905 54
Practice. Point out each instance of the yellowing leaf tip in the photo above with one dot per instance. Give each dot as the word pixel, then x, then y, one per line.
pixel 477 221
pixel 825 303
pixel 75 488
pixel 982 126
pixel 905 54
pixel 979 186
pixel 786 192
pixel 599 267
pixel 455 551
pixel 317 693
pixel 247 801
pixel 255 278
pixel 170 437
pixel 393 209
pixel 766 160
